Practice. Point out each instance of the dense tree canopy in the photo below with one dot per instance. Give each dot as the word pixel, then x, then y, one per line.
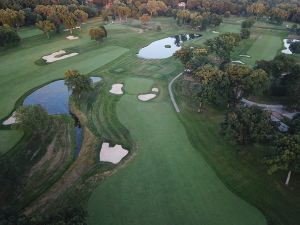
pixel 8 37
pixel 32 118
pixel 248 125
pixel 77 83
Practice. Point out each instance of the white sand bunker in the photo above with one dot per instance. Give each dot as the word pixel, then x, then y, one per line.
pixel 72 37
pixel 59 55
pixel 116 89
pixel 215 32
pixel 238 61
pixel 10 120
pixel 246 56
pixel 78 27
pixel 146 97
pixel 112 154
pixel 287 43
pixel 154 90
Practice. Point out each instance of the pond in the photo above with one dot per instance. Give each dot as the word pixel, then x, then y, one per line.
pixel 54 97
pixel 166 47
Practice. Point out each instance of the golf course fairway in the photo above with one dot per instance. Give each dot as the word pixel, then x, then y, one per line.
pixel 168 182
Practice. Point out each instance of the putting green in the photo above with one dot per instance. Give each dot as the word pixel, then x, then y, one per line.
pixel 8 138
pixel 168 181
pixel 138 85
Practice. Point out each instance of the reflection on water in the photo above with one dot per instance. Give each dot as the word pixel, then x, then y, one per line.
pixel 157 49
pixel 54 98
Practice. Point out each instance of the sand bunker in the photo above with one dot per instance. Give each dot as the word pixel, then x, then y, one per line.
pixel 246 56
pixel 10 120
pixel 146 97
pixel 238 61
pixel 154 90
pixel 116 89
pixel 287 43
pixel 112 154
pixel 55 56
pixel 72 37
pixel 215 32
pixel 78 27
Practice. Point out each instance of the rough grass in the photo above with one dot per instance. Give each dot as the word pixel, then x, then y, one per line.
pixel 8 139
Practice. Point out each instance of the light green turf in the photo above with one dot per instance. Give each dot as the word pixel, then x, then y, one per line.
pixel 9 138
pixel 265 47
pixel 27 32
pixel 138 85
pixel 168 181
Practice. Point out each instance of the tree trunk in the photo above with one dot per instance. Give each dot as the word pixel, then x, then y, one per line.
pixel 71 31
pixel 288 178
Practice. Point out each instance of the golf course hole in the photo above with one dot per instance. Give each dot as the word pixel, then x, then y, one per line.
pixel 59 55
pixel 112 154
pixel 116 89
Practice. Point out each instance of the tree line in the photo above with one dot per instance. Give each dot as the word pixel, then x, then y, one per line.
pixel 213 79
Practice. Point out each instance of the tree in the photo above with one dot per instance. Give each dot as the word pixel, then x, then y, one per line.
pixel 244 81
pixel 12 18
pixel 223 45
pixel 32 118
pixel 183 16
pixel 8 37
pixel 278 15
pixel 81 17
pixel 257 9
pixel 70 21
pixel 248 23
pixel 214 85
pixel 248 125
pixel 77 83
pixel 46 26
pixel 152 7
pixel 245 33
pixel 184 54
pixel 145 19
pixel 97 34
pixel 295 47
pixel 285 156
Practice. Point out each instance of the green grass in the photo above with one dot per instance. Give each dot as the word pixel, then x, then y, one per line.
pixel 183 172
pixel 168 182
pixel 138 85
pixel 27 32
pixel 265 47
pixel 8 139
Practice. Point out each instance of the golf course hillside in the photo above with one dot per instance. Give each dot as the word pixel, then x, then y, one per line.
pixel 149 112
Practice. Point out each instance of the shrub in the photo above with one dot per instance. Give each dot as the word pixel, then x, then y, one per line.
pixel 8 37
pixel 295 47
